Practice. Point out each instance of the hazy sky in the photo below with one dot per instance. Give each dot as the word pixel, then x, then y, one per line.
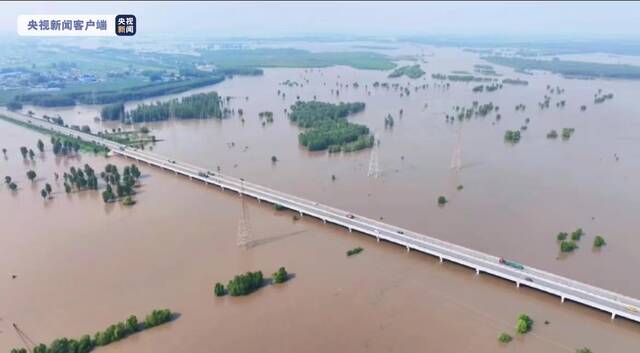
pixel 573 19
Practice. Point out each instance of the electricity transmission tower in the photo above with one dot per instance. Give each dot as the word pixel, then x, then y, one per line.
pixel 244 227
pixel 374 166
pixel 456 159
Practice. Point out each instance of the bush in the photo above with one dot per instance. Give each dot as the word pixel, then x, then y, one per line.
pixel 157 317
pixel 354 251
pixel 128 201
pixel 512 136
pixel 442 200
pixel 524 324
pixel 562 236
pixel 218 289
pixel 505 337
pixel 245 284
pixel 583 350
pixel 568 246
pixel 577 234
pixel 280 276
pixel 599 241
pixel 279 207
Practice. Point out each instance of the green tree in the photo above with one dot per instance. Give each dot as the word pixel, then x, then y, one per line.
pixel 280 276
pixel 4 152
pixel 577 234
pixel 24 151
pixel 47 188
pixel 13 186
pixel 599 241
pixel 505 337
pixel 245 283
pixel 562 236
pixel 85 344
pixel 43 193
pixel 7 179
pixel 132 324
pixel 442 200
pixel 31 175
pixel 568 246
pixel 128 201
pixel 274 159
pixel 157 317
pixel 218 289
pixel 40 146
pixel 524 324
pixel 31 154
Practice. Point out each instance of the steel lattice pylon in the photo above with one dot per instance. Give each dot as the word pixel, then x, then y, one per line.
pixel 456 158
pixel 374 166
pixel 244 227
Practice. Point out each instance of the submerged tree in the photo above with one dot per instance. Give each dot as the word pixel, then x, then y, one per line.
pixel 31 175
pixel 218 289
pixel 280 276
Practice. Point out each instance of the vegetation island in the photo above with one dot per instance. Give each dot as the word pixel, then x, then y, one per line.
pixel 326 126
pixel 413 72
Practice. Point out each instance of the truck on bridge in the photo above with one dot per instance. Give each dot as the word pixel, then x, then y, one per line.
pixel 511 263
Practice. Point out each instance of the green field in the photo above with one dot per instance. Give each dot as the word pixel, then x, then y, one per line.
pixel 295 58
pixel 569 68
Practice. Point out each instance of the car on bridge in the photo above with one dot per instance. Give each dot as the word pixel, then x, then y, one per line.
pixel 632 308
pixel 350 216
pixel 202 174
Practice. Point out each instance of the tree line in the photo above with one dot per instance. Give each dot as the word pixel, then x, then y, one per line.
pixel 112 334
pixel 197 106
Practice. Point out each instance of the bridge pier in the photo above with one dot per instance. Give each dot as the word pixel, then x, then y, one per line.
pixel 324 220
pixel 440 259
pixel 408 249
pixel 477 271
pixel 613 316
pixel 517 284
pixel 378 239
pixel 561 299
pixel 349 230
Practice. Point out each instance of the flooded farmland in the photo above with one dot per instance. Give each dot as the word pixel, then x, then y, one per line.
pixel 81 264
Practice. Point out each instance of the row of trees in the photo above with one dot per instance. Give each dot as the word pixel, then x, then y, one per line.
pixel 249 282
pixel 113 333
pixel 108 96
pixel 413 71
pixel 197 106
pixel 10 183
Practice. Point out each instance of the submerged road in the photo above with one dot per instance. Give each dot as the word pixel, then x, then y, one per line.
pixel 566 289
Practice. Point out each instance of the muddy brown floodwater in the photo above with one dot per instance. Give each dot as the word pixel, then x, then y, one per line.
pixel 83 265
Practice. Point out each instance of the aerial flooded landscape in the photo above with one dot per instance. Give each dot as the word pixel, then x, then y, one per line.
pixel 402 188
